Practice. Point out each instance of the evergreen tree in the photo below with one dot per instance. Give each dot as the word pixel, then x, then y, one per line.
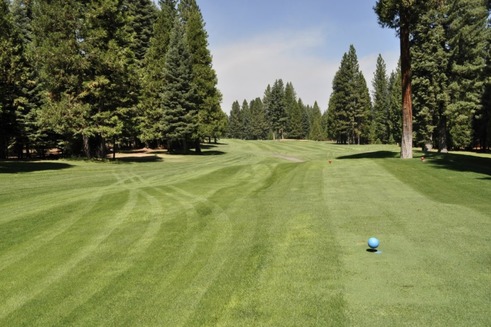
pixel 204 76
pixel 111 80
pixel 362 110
pixel 305 119
pixel 61 65
pixel 349 105
pixel 295 128
pixel 316 132
pixel 180 116
pixel 394 118
pixel 276 109
pixel 142 17
pixel 246 121
pixel 17 78
pixel 379 128
pixel 7 79
pixel 235 122
pixel 468 41
pixel 402 15
pixel 27 134
pixel 150 105
pixel 259 124
pixel 430 81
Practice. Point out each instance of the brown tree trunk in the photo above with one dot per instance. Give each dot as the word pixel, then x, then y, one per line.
pixel 407 106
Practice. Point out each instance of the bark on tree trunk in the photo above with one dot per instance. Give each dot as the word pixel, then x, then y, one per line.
pixel 407 107
pixel 86 146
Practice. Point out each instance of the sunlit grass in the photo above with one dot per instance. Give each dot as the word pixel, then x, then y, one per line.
pixel 253 234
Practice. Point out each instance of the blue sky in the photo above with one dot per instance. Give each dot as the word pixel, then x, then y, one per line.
pixel 255 42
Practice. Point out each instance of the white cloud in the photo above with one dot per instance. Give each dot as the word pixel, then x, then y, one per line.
pixel 246 67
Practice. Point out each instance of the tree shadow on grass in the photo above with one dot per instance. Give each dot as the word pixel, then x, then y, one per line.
pixel 15 167
pixel 461 162
pixel 372 155
pixel 139 159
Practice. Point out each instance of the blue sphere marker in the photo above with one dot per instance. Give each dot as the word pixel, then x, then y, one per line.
pixel 373 242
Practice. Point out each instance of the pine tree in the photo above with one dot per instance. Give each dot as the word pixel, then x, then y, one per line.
pixel 259 124
pixel 430 81
pixel 180 116
pixel 379 128
pixel 295 130
pixel 349 105
pixel 276 109
pixel 204 76
pixel 7 79
pixel 142 17
pixel 468 42
pixel 316 132
pixel 27 135
pixel 110 82
pixel 402 15
pixel 235 122
pixel 61 65
pixel 394 119
pixel 150 105
pixel 362 109
pixel 305 119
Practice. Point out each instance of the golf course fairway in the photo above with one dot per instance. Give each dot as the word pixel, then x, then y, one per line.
pixel 251 233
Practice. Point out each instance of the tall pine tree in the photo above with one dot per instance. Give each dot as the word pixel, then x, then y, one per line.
pixel 180 114
pixel 204 76
pixel 379 128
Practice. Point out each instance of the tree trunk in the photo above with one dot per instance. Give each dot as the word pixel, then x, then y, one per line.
pixel 407 106
pixel 197 146
pixel 87 146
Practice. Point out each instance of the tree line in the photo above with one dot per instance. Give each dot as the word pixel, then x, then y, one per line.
pixel 89 75
pixel 350 117
pixel 449 43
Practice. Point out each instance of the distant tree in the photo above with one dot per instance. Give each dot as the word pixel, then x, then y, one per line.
pixel 180 115
pixel 259 125
pixel 379 127
pixel 305 112
pixel 276 109
pixel 316 132
pixel 349 105
pixel 246 121
pixel 295 128
pixel 235 121
pixel 394 119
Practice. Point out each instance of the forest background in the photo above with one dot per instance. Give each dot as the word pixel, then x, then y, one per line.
pixel 92 76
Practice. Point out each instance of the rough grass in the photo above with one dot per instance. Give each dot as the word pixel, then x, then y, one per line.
pixel 253 234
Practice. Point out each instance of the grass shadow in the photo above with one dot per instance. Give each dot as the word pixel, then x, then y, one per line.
pixel 461 162
pixel 15 167
pixel 372 155
pixel 139 159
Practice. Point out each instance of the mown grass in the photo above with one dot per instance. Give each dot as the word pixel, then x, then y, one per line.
pixel 254 234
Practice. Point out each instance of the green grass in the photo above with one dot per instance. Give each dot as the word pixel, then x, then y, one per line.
pixel 252 234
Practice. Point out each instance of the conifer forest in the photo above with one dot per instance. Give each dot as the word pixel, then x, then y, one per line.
pixel 92 77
